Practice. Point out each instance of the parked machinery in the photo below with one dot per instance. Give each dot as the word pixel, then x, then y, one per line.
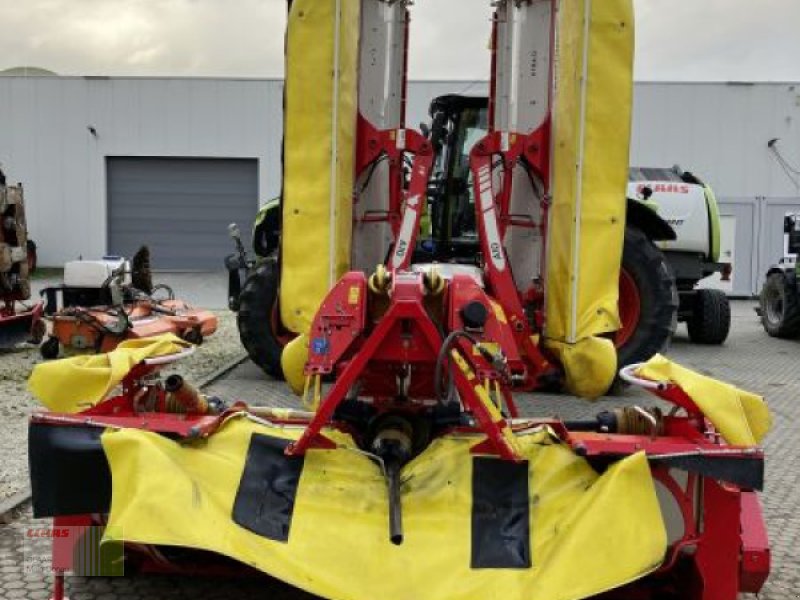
pixel 412 473
pixel 253 291
pixel 103 302
pixel 689 206
pixel 19 321
pixel 779 302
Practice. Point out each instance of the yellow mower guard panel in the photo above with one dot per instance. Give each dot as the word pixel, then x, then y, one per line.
pixel 336 542
pixel 74 384
pixel 592 124
pixel 741 417
pixel 319 153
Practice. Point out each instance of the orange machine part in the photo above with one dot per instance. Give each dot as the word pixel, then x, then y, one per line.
pixel 147 320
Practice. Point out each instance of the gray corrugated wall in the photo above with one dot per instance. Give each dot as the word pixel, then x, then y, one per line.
pixel 759 238
pixel 179 207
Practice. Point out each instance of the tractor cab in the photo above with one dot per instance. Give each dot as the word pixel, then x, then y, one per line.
pixel 449 234
pixel 791 228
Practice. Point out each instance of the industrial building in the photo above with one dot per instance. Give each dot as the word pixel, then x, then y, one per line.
pixel 108 163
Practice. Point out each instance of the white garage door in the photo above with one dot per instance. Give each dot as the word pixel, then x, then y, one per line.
pixel 179 207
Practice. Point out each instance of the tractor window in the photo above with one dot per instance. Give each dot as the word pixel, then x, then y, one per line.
pixel 458 124
pixel 471 128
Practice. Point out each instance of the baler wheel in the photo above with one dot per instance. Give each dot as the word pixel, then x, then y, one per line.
pixel 710 322
pixel 780 306
pixel 258 320
pixel 648 300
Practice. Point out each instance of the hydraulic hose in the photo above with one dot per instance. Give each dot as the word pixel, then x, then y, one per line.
pixel 444 395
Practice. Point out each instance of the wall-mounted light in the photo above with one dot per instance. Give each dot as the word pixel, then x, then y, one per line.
pixel 92 130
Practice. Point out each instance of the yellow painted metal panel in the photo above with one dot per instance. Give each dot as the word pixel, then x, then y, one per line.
pixel 319 154
pixel 591 146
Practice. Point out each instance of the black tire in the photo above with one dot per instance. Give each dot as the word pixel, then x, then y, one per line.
pixel 658 294
pixel 50 349
pixel 710 322
pixel 780 305
pixel 194 336
pixel 256 305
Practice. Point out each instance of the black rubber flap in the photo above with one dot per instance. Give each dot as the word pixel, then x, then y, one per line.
pixel 745 472
pixel 69 470
pixel 268 488
pixel 500 515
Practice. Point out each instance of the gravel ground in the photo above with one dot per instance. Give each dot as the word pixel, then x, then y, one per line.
pixel 16 403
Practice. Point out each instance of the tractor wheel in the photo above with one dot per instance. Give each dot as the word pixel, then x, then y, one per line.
pixel 710 322
pixel 780 306
pixel 259 323
pixel 648 301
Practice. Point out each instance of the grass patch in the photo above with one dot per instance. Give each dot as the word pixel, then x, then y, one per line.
pixel 47 273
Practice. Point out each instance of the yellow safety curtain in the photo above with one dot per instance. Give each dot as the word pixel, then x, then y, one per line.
pixel 588 533
pixel 319 153
pixel 742 418
pixel 74 384
pixel 592 120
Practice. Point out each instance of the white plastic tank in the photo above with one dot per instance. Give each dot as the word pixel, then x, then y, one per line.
pixel 96 273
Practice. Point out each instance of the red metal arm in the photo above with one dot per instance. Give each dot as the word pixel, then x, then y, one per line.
pixel 491 214
pixel 394 144
pixel 406 238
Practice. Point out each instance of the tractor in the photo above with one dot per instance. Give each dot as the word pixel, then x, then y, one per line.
pixel 779 301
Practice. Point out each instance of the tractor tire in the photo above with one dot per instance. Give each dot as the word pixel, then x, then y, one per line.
pixel 649 285
pixel 258 318
pixel 780 306
pixel 710 322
